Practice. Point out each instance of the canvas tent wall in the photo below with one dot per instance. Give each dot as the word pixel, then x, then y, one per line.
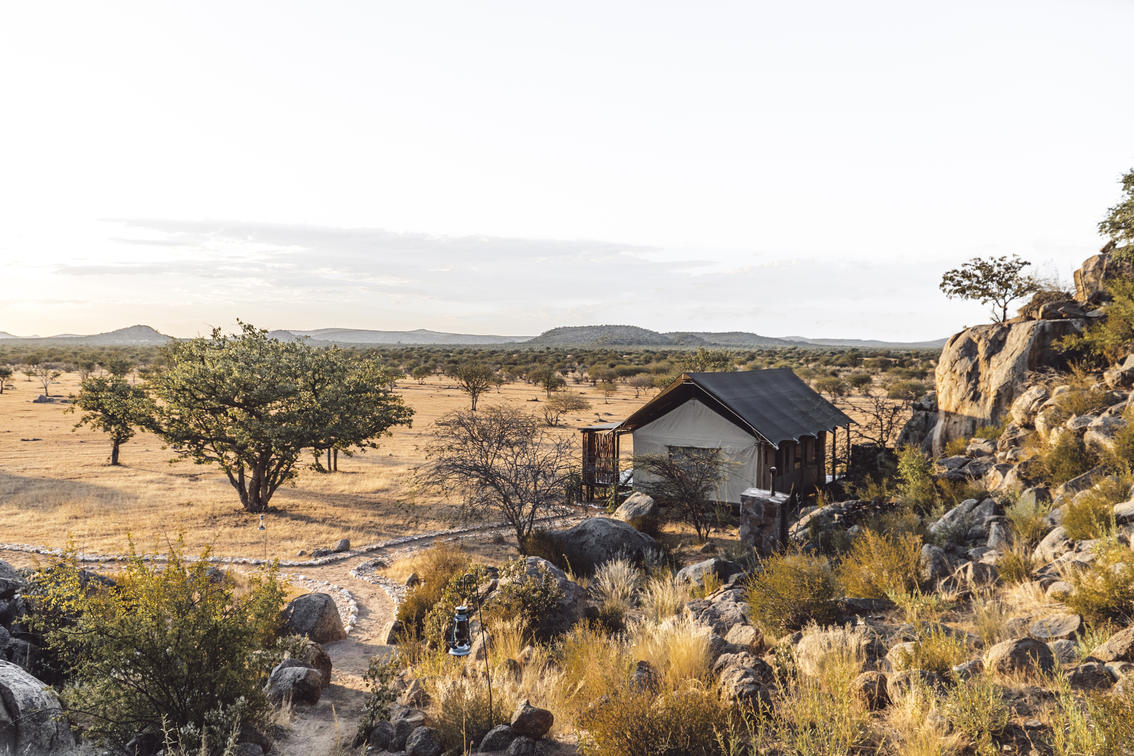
pixel 693 424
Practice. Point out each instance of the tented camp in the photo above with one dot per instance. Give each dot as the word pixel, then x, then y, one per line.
pixel 771 427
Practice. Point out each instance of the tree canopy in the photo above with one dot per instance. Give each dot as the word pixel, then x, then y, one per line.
pixel 996 280
pixel 251 404
pixel 112 405
pixel 1118 225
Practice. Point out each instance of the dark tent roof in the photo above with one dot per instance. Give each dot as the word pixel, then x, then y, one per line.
pixel 773 404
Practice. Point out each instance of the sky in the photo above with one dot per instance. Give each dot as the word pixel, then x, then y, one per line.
pixel 805 168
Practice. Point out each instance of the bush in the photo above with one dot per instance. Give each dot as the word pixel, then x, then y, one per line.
pixel 1105 589
pixel 168 648
pixel 792 589
pixel 1110 339
pixel 936 648
pixel 438 565
pixel 1063 459
pixel 978 709
pixel 674 723
pixel 1017 564
pixel 1095 723
pixel 380 678
pixel 809 718
pixel 524 598
pixel 459 709
pixel 915 475
pixel 956 447
pixel 878 565
pixel 1029 520
pixel 1091 513
pixel 663 597
pixel 461 590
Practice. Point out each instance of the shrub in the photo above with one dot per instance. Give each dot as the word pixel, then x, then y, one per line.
pixel 1091 514
pixel 674 723
pixel 616 583
pixel 833 655
pixel 438 565
pixel 459 709
pixel 807 718
pixel 1017 564
pixel 915 475
pixel 461 590
pixel 1029 520
pixel 1065 458
pixel 381 675
pixel 978 709
pixel 792 589
pixel 524 598
pixel 1121 457
pixel 167 648
pixel 677 650
pixel 663 596
pixel 955 447
pixel 1104 590
pixel 1098 724
pixel 1110 339
pixel 936 648
pixel 878 565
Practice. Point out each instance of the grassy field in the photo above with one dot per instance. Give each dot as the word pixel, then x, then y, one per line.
pixel 55 485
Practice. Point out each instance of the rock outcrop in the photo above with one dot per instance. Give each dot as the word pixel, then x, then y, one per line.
pixel 981 372
pixel 31 719
pixel 600 539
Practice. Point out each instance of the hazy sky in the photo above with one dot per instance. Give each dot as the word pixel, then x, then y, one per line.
pixel 789 168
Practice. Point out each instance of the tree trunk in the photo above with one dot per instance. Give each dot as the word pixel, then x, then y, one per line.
pixel 336 468
pixel 114 452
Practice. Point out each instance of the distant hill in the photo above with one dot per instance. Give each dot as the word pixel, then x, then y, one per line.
pixel 419 336
pixel 598 335
pixel 602 335
pixel 136 335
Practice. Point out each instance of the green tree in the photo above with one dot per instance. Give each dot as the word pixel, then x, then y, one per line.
pixel 996 280
pixel 169 647
pixel 1110 338
pixel 110 404
pixel 5 375
pixel 547 378
pixel 1118 225
pixel 560 404
pixel 474 378
pixel 251 404
pixel 420 373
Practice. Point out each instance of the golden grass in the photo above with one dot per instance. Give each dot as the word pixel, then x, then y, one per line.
pixel 59 487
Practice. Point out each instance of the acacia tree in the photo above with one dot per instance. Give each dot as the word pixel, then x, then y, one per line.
pixel 110 404
pixel 474 379
pixel 686 481
pixel 997 281
pixel 560 404
pixel 547 378
pixel 5 375
pixel 245 402
pixel 1118 225
pixel 500 460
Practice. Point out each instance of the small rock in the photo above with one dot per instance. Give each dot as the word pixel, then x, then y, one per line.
pixel 424 741
pixel 413 580
pixel 1091 675
pixel 381 736
pixel 522 746
pixel 298 684
pixel 498 738
pixel 1119 647
pixel 1019 655
pixel 1058 590
pixel 531 721
pixel 342 545
pixel 1055 627
pixel 643 678
pixel 969 669
pixel 871 687
pixel 1065 651
pixel 744 635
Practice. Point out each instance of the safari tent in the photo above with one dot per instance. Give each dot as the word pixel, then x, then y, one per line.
pixel 773 429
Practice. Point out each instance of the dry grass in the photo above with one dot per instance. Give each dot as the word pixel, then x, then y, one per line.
pixel 59 486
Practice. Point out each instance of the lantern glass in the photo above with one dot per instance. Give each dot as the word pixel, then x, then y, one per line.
pixel 460 638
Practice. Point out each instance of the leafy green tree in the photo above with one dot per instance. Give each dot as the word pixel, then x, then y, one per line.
pixel 474 378
pixel 831 385
pixel 110 404
pixel 1118 225
pixel 996 280
pixel 5 375
pixel 1112 337
pixel 168 648
pixel 420 373
pixel 547 378
pixel 251 404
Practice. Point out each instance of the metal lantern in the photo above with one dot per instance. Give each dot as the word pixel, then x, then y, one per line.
pixel 460 637
pixel 261 523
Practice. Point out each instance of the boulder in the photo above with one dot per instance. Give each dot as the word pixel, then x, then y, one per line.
pixel 695 574
pixel 1065 651
pixel 1119 647
pixel 342 545
pixel 405 722
pixel 424 741
pixel 744 636
pixel 639 511
pixel 571 605
pixel 1102 433
pixel 600 539
pixel 870 686
pixel 1121 376
pixel 933 564
pixel 982 369
pixel 531 721
pixel 1124 513
pixel 1053 545
pixel 720 612
pixel 315 616
pixel 899 683
pixel 1095 273
pixel 324 679
pixel 999 535
pixel 498 738
pixel 745 684
pixel 1019 655
pixel 1091 675
pixel 31 719
pixel 297 684
pixel 523 746
pixel 918 430
pixel 1055 627
pixel 955 521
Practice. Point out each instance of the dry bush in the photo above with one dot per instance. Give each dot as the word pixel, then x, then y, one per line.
pixel 833 655
pixel 1104 590
pixel 807 718
pixel 956 447
pixel 592 664
pixel 616 583
pixel 1095 723
pixel 436 566
pixel 791 590
pixel 878 565
pixel 677 649
pixel 1029 520
pixel 459 708
pixel 663 596
pixel 1091 514
pixel 913 727
pixel 989 617
pixel 1017 564
pixel 679 722
pixel 977 709
pixel 935 648
pixel 1064 458
pixel 919 608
